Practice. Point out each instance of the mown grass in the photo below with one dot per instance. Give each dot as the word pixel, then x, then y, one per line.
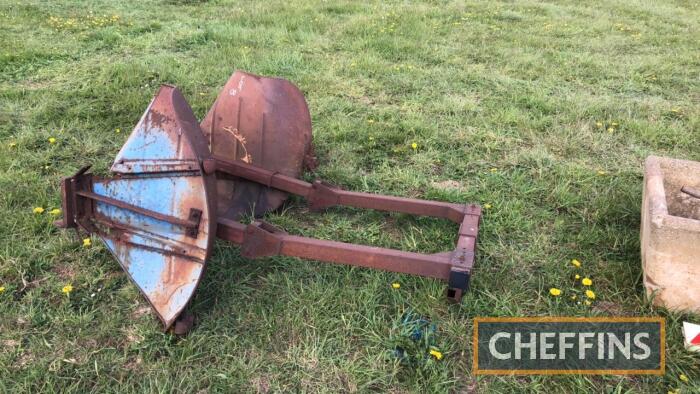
pixel 502 98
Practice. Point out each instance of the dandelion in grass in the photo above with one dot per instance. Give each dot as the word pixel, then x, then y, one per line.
pixel 586 281
pixel 2 289
pixel 52 140
pixel 38 210
pixel 601 172
pixel 12 144
pixel 587 302
pixel 599 124
pixel 494 169
pixel 684 378
pixel 118 130
pixel 436 353
pixel 370 121
pixel 590 294
pixel 396 285
pixel 576 263
pixel 577 276
pixel 555 292
pixel 55 211
pixel 488 206
pixel 611 129
pixel 87 242
pixel 414 146
pixel 67 289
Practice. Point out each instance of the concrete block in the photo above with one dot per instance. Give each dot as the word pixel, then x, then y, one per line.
pixel 670 233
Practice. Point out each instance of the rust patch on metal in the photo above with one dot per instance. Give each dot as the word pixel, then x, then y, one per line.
pixel 156 218
pixel 264 122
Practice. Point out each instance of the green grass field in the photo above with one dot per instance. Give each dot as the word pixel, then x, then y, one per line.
pixel 544 111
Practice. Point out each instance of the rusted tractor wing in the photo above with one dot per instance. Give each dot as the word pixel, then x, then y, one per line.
pixel 157 216
pixel 260 121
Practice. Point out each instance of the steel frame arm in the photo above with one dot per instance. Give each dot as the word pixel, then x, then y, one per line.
pixel 322 195
pixel 261 239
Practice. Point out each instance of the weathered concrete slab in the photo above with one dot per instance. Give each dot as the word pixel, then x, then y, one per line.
pixel 670 234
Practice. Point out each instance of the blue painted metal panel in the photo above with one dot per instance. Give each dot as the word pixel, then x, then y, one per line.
pixel 160 167
pixel 168 195
pixel 167 281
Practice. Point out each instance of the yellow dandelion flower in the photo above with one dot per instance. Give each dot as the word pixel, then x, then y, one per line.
pixel 599 124
pixel 52 140
pixel 610 129
pixel 396 285
pixel 590 294
pixel 2 289
pixel 55 211
pixel 614 124
pixel 414 146
pixel 494 169
pixel 38 210
pixel 575 263
pixel 87 242
pixel 12 144
pixel 684 378
pixel 601 172
pixel 488 206
pixel 587 302
pixel 676 110
pixel 118 130
pixel 555 292
pixel 370 120
pixel 577 277
pixel 67 289
pixel 674 391
pixel 586 281
pixel 436 353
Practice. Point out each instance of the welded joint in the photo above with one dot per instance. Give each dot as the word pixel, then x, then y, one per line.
pixel 195 217
pixel 461 261
pixel 208 166
pixel 270 177
pixel 262 239
pixel 472 209
pixel 457 212
pixel 324 195
pixel 69 185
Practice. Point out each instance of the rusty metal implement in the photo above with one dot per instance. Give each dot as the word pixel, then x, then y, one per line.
pixel 158 214
pixel 260 121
